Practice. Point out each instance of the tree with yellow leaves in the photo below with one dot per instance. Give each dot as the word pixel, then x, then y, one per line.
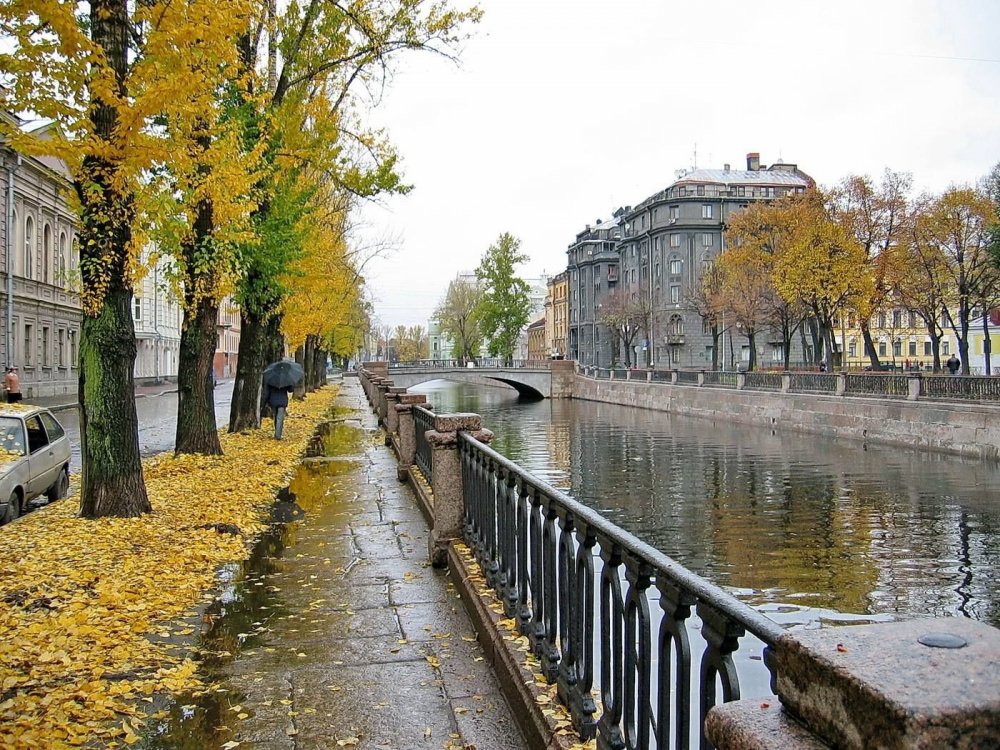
pixel 329 50
pixel 108 72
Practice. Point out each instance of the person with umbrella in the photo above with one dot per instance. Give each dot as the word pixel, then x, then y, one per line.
pixel 280 379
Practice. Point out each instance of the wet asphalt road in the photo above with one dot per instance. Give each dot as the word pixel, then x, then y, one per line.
pixel 157 422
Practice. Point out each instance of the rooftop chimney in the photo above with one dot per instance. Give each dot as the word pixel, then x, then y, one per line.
pixel 725 167
pixel 753 161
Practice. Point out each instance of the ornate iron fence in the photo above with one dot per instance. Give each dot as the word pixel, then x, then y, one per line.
pixel 763 381
pixel 960 387
pixel 813 382
pixel 718 378
pixel 688 377
pixel 661 376
pixel 581 590
pixel 423 420
pixel 877 384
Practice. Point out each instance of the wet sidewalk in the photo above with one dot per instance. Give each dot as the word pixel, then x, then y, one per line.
pixel 360 644
pixel 69 400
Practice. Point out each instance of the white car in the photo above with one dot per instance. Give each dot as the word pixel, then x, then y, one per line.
pixel 34 458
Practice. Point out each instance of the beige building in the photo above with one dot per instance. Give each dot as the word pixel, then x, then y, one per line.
pixel 557 315
pixel 536 340
pixel 39 303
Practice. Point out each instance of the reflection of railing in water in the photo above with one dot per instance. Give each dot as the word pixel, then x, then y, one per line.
pixel 538 547
pixel 423 421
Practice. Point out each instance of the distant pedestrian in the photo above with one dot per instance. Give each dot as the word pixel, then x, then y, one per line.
pixel 12 383
pixel 953 364
pixel 277 399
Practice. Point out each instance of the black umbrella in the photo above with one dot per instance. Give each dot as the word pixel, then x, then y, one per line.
pixel 283 374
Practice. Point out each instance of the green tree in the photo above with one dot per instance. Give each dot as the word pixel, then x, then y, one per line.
pixel 459 320
pixel 504 308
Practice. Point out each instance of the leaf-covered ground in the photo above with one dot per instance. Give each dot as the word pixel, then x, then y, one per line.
pixel 91 611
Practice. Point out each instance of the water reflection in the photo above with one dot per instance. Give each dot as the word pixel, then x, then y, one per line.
pixel 833 529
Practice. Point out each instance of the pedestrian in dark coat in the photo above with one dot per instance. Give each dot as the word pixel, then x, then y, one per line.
pixel 277 399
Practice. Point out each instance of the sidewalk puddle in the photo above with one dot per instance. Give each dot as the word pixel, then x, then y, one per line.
pixel 250 598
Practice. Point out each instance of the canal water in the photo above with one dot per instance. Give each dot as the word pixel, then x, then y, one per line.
pixel 810 530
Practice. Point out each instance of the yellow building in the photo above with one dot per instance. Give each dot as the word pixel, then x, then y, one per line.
pixel 557 315
pixel 900 339
pixel 536 340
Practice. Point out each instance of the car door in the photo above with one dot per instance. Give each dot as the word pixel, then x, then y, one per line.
pixel 58 442
pixel 40 457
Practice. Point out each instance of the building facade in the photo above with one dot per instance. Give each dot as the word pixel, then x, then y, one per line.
pixel 228 346
pixel 40 304
pixel 157 316
pixel 536 341
pixel 669 239
pixel 557 315
pixel 592 274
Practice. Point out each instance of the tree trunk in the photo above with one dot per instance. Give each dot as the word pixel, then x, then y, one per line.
pixel 987 345
pixel 752 343
pixel 866 334
pixel 197 431
pixel 109 429
pixel 256 347
pixel 715 346
pixel 302 357
pixel 935 345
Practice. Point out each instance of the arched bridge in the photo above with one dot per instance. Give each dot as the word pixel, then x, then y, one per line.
pixel 530 381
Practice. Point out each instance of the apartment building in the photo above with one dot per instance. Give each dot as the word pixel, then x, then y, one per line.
pixel 592 274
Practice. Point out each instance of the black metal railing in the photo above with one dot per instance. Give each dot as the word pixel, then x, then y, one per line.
pixel 688 377
pixel 762 381
pixel 812 382
pixel 960 387
pixel 720 378
pixel 584 592
pixel 423 421
pixel 876 384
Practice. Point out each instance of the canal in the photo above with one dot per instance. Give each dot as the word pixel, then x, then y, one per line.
pixel 810 530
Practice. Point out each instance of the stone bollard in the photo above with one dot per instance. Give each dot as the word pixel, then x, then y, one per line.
pixel 675 376
pixel 786 382
pixel 701 378
pixel 741 381
pixel 649 376
pixel 407 431
pixel 446 480
pixel 380 406
pixel 913 685
pixel 841 383
pixel 914 381
pixel 391 417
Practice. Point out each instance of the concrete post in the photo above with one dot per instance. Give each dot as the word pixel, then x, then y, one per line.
pixel 915 383
pixel 741 381
pixel 611 373
pixel 407 431
pixel 383 388
pixel 649 376
pixel 628 374
pixel 675 376
pixel 841 383
pixel 701 378
pixel 908 685
pixel 391 418
pixel 786 382
pixel 446 480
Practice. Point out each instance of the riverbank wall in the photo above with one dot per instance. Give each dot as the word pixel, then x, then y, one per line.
pixel 971 430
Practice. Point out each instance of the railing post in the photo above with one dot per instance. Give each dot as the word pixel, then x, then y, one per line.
pixel 611 374
pixel 384 384
pixel 407 431
pixel 741 381
pixel 391 418
pixel 701 378
pixel 786 382
pixel 915 383
pixel 628 374
pixel 841 383
pixel 675 376
pixel 446 480
pixel 649 376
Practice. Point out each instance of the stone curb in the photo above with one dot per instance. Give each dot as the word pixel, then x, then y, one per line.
pixel 516 680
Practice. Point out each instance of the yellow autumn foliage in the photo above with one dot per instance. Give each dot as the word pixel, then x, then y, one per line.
pixel 85 606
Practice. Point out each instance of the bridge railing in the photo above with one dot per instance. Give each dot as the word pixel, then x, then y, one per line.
pixel 423 419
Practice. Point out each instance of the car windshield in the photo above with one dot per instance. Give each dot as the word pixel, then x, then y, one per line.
pixel 11 438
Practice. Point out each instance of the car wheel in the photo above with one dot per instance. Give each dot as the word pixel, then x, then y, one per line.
pixel 13 509
pixel 60 489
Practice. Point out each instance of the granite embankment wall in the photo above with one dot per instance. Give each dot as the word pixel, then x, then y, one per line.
pixel 965 429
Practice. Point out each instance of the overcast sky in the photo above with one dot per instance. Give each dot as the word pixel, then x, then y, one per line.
pixel 562 110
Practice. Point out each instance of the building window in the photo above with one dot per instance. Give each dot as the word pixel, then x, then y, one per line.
pixel 29 241
pixel 71 340
pixel 701 190
pixel 61 351
pixel 852 349
pixel 882 350
pixel 675 240
pixel 29 345
pixel 897 348
pixel 137 308
pixel 675 293
pixel 676 325
pixel 913 319
pixel 913 348
pixel 675 212
pixel 945 348
pixel 45 347
pixel 675 266
pixel 897 318
pixel 881 321
pixel 706 210
pixel 62 260
pixel 706 240
pixel 47 254
pixel 850 320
